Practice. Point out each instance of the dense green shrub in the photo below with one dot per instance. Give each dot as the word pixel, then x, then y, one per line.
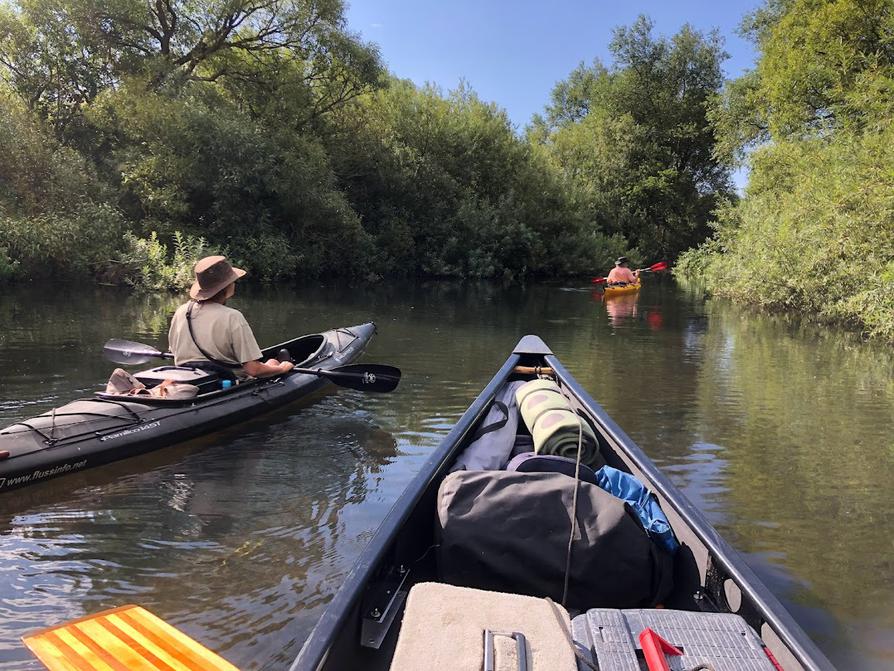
pixel 150 265
pixel 199 164
pixel 815 230
pixel 444 187
pixel 82 239
pixel 8 266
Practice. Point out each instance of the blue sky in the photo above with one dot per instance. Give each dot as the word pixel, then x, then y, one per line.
pixel 513 53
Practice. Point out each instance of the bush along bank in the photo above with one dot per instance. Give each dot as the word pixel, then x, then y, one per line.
pixel 815 229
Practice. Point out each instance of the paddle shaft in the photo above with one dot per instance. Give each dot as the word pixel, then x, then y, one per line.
pixel 363 377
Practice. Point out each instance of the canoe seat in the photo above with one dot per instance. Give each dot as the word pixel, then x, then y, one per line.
pixel 610 639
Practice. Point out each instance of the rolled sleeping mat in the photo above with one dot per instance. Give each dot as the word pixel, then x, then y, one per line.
pixel 555 427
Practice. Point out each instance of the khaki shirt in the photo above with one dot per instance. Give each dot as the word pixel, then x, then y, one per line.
pixel 221 331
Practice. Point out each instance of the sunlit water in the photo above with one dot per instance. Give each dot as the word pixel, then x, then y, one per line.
pixel 781 433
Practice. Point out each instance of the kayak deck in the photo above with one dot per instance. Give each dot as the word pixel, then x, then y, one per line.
pixel 621 290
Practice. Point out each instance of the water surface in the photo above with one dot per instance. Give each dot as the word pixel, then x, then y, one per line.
pixel 781 433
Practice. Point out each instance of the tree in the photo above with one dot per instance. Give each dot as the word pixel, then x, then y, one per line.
pixel 635 137
pixel 815 231
pixel 446 188
pixel 59 54
pixel 824 66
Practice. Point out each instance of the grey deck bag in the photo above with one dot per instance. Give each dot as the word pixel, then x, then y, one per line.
pixel 508 531
pixel 444 629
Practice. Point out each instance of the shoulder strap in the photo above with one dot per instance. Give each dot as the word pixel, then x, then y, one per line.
pixel 192 335
pixel 493 426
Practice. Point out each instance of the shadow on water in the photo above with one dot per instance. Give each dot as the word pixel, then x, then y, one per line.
pixel 779 432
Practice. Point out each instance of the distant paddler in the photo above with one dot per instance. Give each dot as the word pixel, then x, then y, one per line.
pixel 621 275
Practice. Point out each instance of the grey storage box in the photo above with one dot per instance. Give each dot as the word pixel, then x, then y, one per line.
pixel 446 628
pixel 723 640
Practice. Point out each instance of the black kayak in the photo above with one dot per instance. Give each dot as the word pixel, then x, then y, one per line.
pixel 94 431
pixel 365 624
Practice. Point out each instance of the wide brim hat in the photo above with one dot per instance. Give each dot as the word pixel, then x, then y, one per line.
pixel 213 273
pixel 620 260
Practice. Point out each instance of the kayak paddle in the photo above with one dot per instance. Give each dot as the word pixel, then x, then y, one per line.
pixel 131 353
pixel 654 268
pixel 361 376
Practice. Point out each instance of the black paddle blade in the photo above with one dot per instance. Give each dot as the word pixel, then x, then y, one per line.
pixel 129 353
pixel 361 376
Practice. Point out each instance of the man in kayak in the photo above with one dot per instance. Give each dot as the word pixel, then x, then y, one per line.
pixel 621 274
pixel 205 329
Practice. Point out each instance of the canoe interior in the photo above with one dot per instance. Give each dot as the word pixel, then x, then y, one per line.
pixel 708 574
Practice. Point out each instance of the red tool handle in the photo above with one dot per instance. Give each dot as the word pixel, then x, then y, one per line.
pixel 654 650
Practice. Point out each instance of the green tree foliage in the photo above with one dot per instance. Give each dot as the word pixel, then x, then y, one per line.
pixel 815 231
pixel 823 67
pixel 446 188
pixel 635 137
pixel 265 128
pixel 147 263
pixel 200 164
pixel 60 54
pixel 54 215
pixel 201 117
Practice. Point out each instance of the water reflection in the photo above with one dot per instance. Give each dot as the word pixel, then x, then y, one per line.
pixel 620 308
pixel 780 432
pixel 233 540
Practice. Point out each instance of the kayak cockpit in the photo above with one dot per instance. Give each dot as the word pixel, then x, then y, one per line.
pixel 210 382
pixel 303 350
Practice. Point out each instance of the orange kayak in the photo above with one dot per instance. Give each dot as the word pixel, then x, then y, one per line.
pixel 610 291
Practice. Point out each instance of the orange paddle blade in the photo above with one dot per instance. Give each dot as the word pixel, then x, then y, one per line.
pixel 129 638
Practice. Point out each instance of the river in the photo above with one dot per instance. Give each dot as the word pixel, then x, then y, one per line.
pixel 779 431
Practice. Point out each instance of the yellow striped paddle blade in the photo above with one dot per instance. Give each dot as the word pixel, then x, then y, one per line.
pixel 129 638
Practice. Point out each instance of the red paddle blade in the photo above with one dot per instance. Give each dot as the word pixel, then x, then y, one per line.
pixel 661 265
pixel 599 280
